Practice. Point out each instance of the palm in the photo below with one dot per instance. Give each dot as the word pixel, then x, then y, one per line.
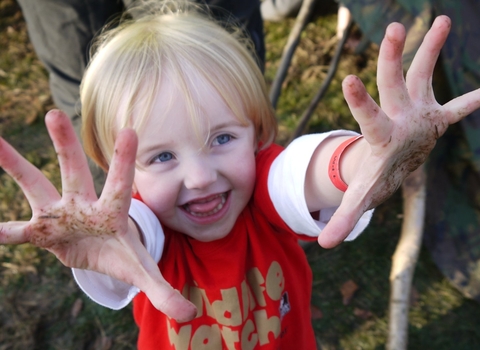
pixel 83 231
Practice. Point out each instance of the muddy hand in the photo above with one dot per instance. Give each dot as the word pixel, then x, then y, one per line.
pixel 401 133
pixel 81 230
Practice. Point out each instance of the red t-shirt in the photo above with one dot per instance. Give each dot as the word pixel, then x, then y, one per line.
pixel 252 288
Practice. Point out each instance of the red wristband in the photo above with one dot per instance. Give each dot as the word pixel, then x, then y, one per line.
pixel 334 165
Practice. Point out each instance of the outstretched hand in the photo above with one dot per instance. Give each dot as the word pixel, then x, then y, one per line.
pixel 401 133
pixel 83 231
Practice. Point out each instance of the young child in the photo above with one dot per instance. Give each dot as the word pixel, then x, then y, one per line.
pixel 176 111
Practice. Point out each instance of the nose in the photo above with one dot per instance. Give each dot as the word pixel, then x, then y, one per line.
pixel 199 173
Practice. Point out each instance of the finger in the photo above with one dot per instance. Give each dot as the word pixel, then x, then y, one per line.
pixel 118 185
pixel 36 187
pixel 462 106
pixel 13 232
pixel 374 124
pixel 76 176
pixel 419 75
pixel 390 80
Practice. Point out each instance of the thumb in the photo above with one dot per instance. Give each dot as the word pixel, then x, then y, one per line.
pixel 169 301
pixel 138 268
pixel 340 225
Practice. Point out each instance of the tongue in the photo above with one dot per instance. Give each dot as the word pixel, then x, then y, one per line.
pixel 205 207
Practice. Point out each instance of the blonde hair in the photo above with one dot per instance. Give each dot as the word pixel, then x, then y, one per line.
pixel 132 60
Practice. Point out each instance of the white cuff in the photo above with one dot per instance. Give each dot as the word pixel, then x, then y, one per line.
pixel 286 183
pixel 108 291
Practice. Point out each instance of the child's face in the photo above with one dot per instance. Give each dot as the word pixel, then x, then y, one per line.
pixel 195 182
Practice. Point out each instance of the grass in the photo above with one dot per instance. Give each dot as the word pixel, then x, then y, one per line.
pixel 42 308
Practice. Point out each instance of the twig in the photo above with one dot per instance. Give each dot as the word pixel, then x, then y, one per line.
pixel 293 39
pixel 405 258
pixel 325 84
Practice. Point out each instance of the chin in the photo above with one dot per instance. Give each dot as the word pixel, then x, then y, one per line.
pixel 210 237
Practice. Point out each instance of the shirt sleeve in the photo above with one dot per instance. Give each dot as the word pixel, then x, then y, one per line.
pixel 108 291
pixel 286 181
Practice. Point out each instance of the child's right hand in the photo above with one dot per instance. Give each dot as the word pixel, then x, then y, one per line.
pixel 83 231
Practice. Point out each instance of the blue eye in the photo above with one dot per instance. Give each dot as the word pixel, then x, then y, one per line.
pixel 164 157
pixel 222 139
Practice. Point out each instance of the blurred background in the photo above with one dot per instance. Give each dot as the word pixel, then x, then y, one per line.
pixel 41 306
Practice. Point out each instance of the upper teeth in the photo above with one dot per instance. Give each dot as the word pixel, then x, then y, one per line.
pixel 211 212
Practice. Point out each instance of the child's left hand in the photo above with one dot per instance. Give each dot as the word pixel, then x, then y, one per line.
pixel 403 132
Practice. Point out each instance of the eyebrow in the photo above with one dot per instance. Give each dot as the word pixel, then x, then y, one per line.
pixel 227 124
pixel 141 152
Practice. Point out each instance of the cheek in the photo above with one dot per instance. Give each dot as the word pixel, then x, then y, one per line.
pixel 157 194
pixel 243 173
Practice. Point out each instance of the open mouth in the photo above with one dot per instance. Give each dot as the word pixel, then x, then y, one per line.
pixel 206 207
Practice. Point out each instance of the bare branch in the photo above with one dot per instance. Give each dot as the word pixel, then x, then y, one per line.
pixel 405 258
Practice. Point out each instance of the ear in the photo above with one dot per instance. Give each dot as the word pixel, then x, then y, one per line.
pixel 257 146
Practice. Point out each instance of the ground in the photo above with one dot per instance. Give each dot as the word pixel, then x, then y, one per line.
pixel 42 308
